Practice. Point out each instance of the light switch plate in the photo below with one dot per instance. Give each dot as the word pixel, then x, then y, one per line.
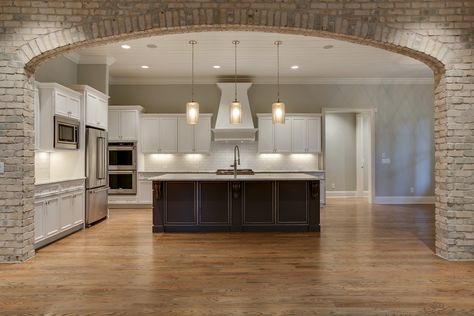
pixel 386 161
pixel 2 167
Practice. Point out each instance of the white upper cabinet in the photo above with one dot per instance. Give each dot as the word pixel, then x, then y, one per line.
pixel 306 134
pixel 170 133
pixel 123 123
pixel 194 138
pixel 96 106
pixel 53 99
pixel 301 133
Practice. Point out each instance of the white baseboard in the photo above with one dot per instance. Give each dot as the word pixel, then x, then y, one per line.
pixel 404 200
pixel 344 194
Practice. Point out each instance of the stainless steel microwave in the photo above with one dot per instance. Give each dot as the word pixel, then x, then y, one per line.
pixel 66 133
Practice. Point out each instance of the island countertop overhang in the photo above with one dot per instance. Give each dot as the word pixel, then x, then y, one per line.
pixel 256 177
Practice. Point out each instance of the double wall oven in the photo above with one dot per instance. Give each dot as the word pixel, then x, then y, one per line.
pixel 123 168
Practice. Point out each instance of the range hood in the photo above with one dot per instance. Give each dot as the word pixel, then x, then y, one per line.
pixel 224 131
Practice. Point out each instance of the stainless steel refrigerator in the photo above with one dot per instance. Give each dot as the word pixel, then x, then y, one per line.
pixel 96 175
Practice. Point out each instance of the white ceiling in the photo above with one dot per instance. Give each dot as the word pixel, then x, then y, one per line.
pixel 170 61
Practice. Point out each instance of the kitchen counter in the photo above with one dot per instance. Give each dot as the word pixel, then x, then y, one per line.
pixel 256 177
pixel 203 202
pixel 43 182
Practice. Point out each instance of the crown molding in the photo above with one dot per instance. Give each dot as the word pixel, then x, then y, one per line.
pixel 271 80
pixel 90 59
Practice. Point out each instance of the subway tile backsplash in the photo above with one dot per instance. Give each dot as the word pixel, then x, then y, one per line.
pixel 221 156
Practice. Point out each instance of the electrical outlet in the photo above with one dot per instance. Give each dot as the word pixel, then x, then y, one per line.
pixel 2 167
pixel 412 190
pixel 386 161
pixel 333 185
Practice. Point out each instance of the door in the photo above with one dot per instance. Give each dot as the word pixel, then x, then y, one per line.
pixel 96 158
pixel 202 135
pixel 96 201
pixel 299 135
pixel 149 129
pixel 102 113
pixel 282 137
pixel 185 136
pixel 61 104
pixel 128 125
pixel 114 125
pixel 39 221
pixel 168 135
pixel 91 110
pixel 66 212
pixel 145 191
pixel 314 134
pixel 265 135
pixel 51 217
pixel 74 107
pixel 78 208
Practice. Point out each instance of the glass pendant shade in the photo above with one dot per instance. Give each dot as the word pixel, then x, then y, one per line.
pixel 278 113
pixel 235 112
pixel 192 112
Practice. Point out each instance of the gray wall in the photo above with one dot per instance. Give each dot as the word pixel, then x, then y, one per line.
pixel 341 152
pixel 96 76
pixel 403 124
pixel 59 69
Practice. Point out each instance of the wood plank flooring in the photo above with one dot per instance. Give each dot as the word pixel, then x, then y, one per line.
pixel 368 260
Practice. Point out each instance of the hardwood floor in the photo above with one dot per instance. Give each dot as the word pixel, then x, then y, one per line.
pixel 368 260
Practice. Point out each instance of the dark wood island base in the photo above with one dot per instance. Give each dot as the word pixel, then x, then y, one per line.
pixel 236 206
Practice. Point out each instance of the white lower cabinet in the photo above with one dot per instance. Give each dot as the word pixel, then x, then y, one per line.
pixel 145 192
pixel 59 210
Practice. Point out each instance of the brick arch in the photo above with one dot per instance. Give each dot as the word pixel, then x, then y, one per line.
pixel 360 30
pixel 160 22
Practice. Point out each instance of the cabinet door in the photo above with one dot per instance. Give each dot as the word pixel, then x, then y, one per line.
pixel 60 103
pixel 214 207
pixel 168 134
pixel 114 125
pixel 298 135
pixel 78 208
pixel 74 105
pixel 149 128
pixel 91 110
pixel 128 125
pixel 180 206
pixel 185 136
pixel 102 113
pixel 202 135
pixel 314 134
pixel 265 135
pixel 283 137
pixel 51 217
pixel 66 212
pixel 145 191
pixel 39 221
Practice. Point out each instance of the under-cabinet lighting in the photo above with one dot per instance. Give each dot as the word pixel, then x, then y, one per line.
pixel 270 156
pixel 161 157
pixel 193 157
pixel 301 156
pixel 43 155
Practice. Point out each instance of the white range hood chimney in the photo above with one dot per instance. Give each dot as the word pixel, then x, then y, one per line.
pixel 224 131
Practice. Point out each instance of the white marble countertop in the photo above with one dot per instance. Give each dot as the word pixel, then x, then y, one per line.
pixel 43 182
pixel 213 177
pixel 256 171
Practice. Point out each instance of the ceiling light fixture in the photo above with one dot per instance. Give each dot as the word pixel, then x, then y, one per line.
pixel 192 108
pixel 151 46
pixel 235 107
pixel 295 67
pixel 328 46
pixel 145 67
pixel 216 67
pixel 125 46
pixel 278 108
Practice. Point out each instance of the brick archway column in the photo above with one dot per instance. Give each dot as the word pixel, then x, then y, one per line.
pixel 17 152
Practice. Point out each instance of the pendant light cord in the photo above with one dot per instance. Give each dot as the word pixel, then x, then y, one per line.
pixel 235 68
pixel 278 43
pixel 192 69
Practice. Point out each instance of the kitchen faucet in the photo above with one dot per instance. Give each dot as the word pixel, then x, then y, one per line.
pixel 236 160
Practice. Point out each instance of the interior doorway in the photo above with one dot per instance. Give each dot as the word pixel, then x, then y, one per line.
pixel 348 142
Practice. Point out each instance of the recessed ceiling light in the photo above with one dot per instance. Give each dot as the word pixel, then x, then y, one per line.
pixel 125 46
pixel 145 67
pixel 216 67
pixel 151 46
pixel 295 67
pixel 328 46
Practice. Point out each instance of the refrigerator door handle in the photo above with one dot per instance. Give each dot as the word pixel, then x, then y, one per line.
pixel 100 158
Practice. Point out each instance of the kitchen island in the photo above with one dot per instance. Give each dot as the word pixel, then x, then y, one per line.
pixel 204 202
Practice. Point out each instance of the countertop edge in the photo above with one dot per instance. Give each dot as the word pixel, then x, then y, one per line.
pixel 59 181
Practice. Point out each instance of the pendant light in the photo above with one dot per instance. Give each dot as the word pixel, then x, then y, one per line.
pixel 278 108
pixel 192 108
pixel 235 107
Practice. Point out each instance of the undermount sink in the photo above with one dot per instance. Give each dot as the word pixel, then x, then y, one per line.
pixel 228 172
